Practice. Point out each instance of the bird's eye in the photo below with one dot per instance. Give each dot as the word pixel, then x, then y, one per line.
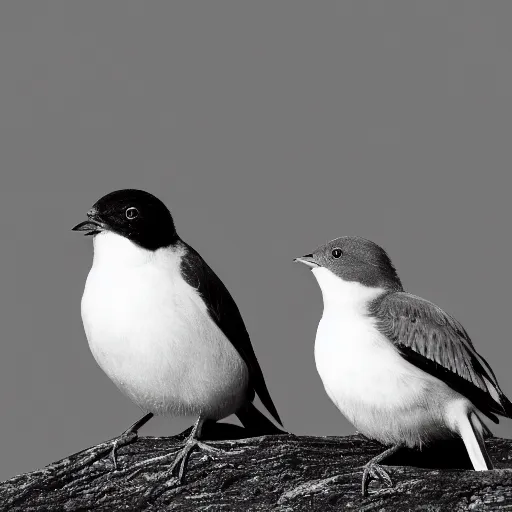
pixel 337 253
pixel 132 213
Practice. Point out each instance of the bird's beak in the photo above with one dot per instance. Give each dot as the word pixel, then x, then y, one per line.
pixel 92 226
pixel 308 260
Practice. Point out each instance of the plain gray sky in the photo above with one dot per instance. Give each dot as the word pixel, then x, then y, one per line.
pixel 268 128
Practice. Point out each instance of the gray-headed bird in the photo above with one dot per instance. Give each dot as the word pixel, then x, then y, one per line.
pixel 163 326
pixel 401 370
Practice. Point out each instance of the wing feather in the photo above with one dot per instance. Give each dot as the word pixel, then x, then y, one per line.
pixel 225 313
pixel 438 344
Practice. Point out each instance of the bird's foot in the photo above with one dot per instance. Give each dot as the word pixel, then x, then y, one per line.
pixel 124 439
pixel 130 435
pixel 374 471
pixel 180 460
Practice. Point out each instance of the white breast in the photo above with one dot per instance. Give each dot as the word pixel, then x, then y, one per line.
pixel 152 335
pixel 383 395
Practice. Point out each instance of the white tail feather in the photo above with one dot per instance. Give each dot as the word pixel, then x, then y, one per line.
pixel 471 431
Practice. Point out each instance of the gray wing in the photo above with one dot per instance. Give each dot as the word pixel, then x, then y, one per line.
pixel 434 341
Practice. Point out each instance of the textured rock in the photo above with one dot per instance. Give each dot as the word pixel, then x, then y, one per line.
pixel 284 472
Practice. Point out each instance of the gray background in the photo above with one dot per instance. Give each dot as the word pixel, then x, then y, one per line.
pixel 268 128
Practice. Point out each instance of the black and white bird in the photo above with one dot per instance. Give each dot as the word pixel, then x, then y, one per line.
pixel 163 326
pixel 399 368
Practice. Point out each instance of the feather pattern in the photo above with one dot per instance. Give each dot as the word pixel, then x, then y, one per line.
pixel 437 343
pixel 225 313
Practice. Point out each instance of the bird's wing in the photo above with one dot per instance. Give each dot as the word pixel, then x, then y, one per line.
pixel 224 311
pixel 434 341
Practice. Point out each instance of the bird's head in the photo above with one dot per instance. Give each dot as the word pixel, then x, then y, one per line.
pixel 134 214
pixel 355 259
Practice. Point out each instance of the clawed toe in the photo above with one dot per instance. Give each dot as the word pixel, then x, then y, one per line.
pixel 128 436
pixel 179 461
pixel 378 472
pixel 374 471
pixel 122 440
pixel 182 458
pixel 211 449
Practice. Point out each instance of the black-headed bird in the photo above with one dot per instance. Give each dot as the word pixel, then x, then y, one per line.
pixel 163 326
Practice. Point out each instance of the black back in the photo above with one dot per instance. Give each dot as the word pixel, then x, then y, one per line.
pixel 224 311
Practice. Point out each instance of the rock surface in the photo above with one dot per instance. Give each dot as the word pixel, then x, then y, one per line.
pixel 282 472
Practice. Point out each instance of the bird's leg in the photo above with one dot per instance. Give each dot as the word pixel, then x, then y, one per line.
pixel 133 429
pixel 372 470
pixel 180 460
pixel 191 443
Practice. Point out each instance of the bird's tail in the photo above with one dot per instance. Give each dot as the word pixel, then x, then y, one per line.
pixel 486 432
pixel 472 430
pixel 256 422
pixel 507 405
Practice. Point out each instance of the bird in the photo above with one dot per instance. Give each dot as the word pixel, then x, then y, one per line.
pixel 163 326
pixel 399 368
